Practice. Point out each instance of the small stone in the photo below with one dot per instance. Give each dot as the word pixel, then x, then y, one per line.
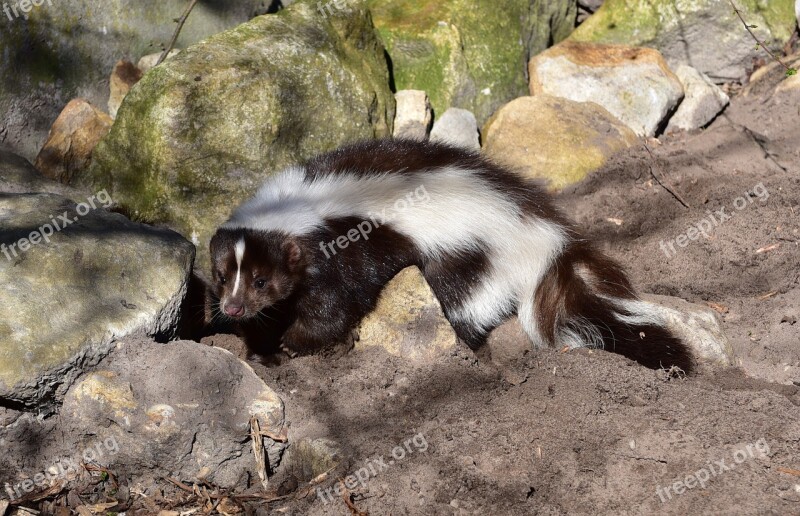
pixel 72 138
pixel 124 76
pixel 146 63
pixel 457 127
pixel 633 84
pixel 704 100
pixel 413 115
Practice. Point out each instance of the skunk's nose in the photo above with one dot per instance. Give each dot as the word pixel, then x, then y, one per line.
pixel 234 310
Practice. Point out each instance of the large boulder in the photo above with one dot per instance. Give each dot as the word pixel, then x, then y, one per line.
pixel 62 49
pixel 147 412
pixel 468 54
pixel 75 278
pixel 199 133
pixel 553 138
pixel 633 84
pixel 705 34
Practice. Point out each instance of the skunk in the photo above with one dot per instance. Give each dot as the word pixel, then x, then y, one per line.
pixel 318 243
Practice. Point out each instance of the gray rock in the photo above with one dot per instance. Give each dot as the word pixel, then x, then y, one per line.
pixel 17 175
pixel 698 326
pixel 703 101
pixel 633 84
pixel 150 411
pixel 458 127
pixel 68 294
pixel 413 115
pixel 67 49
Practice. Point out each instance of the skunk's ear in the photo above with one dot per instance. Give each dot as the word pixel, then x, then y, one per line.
pixel 293 255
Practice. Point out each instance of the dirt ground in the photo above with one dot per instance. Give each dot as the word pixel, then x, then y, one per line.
pixel 590 432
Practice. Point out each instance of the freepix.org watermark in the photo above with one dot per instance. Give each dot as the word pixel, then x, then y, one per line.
pixel 22 8
pixel 417 443
pixel 328 7
pixel 62 468
pixel 713 469
pixel 713 219
pixel 57 223
pixel 376 220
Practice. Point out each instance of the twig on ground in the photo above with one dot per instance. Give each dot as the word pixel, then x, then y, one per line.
pixel 767 248
pixel 346 496
pixel 259 451
pixel 767 295
pixel 180 21
pixel 789 471
pixel 717 307
pixel 759 43
pixel 665 187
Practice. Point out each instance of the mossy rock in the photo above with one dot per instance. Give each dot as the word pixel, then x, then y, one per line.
pixel 199 133
pixel 468 54
pixel 554 139
pixel 704 34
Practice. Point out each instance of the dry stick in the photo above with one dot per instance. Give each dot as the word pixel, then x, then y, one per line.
pixel 665 187
pixel 259 452
pixel 349 503
pixel 789 71
pixel 180 21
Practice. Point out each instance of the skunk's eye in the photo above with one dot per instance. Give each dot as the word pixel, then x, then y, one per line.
pixel 222 280
pixel 260 283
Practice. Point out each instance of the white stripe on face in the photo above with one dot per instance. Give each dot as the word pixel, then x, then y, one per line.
pixel 239 251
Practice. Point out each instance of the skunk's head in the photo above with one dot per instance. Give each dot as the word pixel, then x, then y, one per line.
pixel 252 270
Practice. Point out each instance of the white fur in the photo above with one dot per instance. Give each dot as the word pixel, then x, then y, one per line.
pixel 239 253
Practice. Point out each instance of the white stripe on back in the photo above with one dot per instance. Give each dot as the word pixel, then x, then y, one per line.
pixel 462 212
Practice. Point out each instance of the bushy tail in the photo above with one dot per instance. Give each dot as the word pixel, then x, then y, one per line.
pixel 585 299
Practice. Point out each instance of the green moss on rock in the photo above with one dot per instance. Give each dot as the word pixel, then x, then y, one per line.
pixel 468 54
pixel 199 133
